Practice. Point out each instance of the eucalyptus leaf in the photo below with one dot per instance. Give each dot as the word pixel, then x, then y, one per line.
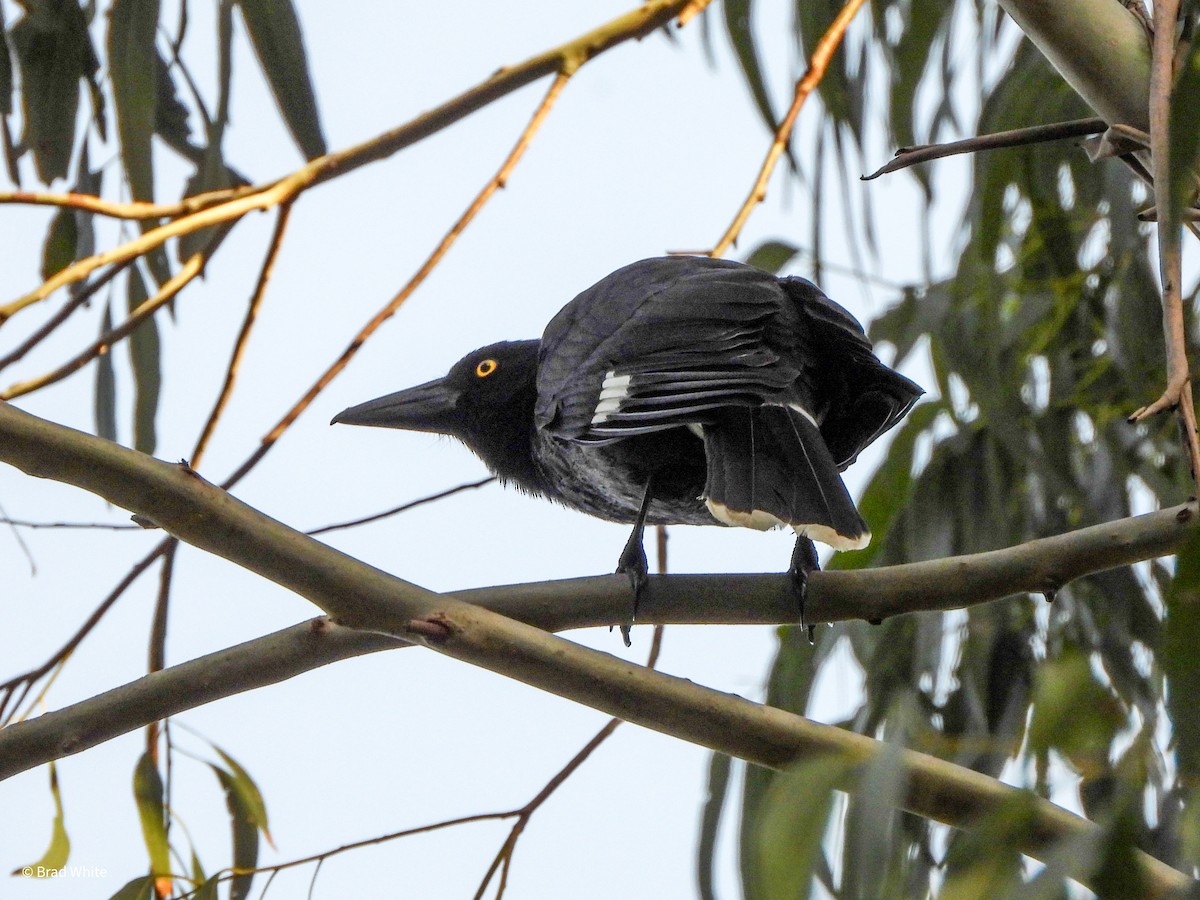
pixel 59 850
pixel 145 357
pixel 148 794
pixel 275 34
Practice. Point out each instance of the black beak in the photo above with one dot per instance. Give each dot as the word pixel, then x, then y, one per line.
pixel 427 407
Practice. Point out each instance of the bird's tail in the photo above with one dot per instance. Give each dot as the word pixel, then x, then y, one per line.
pixel 769 466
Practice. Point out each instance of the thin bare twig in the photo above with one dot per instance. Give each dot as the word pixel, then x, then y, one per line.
pixel 503 858
pixel 51 325
pixel 1178 392
pixel 1017 137
pixel 18 686
pixel 231 873
pixel 404 507
pixel 158 639
pixel 187 273
pixel 497 181
pixel 817 64
pixel 239 346
pixel 98 526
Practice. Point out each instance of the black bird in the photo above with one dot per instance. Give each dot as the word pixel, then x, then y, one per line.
pixel 680 390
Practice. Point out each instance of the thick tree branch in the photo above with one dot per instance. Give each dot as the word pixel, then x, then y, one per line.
pixel 1098 46
pixel 357 594
pixel 1038 566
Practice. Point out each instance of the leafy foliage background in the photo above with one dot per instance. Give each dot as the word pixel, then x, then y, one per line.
pixel 1043 340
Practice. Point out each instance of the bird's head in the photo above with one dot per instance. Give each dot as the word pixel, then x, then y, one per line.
pixel 479 400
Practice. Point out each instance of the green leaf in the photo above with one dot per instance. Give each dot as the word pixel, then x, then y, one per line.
pixel 6 71
pixel 105 395
pixel 87 181
pixel 1072 712
pixel 211 174
pixel 248 816
pixel 792 823
pixel 275 33
pixel 245 833
pixel 710 820
pixel 144 355
pixel 53 53
pixel 1184 130
pixel 171 118
pixel 132 63
pixel 58 250
pixel 772 256
pixel 148 793
pixel 56 854
pixel 139 889
pixel 985 861
pixel 1180 661
pixel 739 25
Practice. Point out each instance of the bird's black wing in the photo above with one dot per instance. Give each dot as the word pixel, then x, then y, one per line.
pixel 662 343
pixel 862 397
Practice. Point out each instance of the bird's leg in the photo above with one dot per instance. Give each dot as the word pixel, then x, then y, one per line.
pixel 633 559
pixel 804 560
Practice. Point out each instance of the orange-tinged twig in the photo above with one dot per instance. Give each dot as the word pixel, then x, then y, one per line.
pixel 136 210
pixel 239 347
pixel 52 324
pixel 497 181
pixel 280 192
pixel 187 272
pixel 563 60
pixel 692 10
pixel 817 65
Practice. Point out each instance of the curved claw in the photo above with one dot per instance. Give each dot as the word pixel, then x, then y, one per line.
pixel 632 562
pixel 804 560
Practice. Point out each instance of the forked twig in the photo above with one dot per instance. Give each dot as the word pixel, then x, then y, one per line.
pixel 243 338
pixel 563 61
pixel 503 858
pixel 137 210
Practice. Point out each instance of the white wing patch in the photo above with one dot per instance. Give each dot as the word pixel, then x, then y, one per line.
pixel 613 390
pixel 804 412
pixel 763 521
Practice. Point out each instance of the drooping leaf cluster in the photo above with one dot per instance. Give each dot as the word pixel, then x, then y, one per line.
pixel 144 103
pixel 1044 338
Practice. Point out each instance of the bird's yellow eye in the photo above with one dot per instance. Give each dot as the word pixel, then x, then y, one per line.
pixel 485 368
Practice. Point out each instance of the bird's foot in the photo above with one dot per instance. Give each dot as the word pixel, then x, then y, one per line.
pixel 804 560
pixel 632 562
